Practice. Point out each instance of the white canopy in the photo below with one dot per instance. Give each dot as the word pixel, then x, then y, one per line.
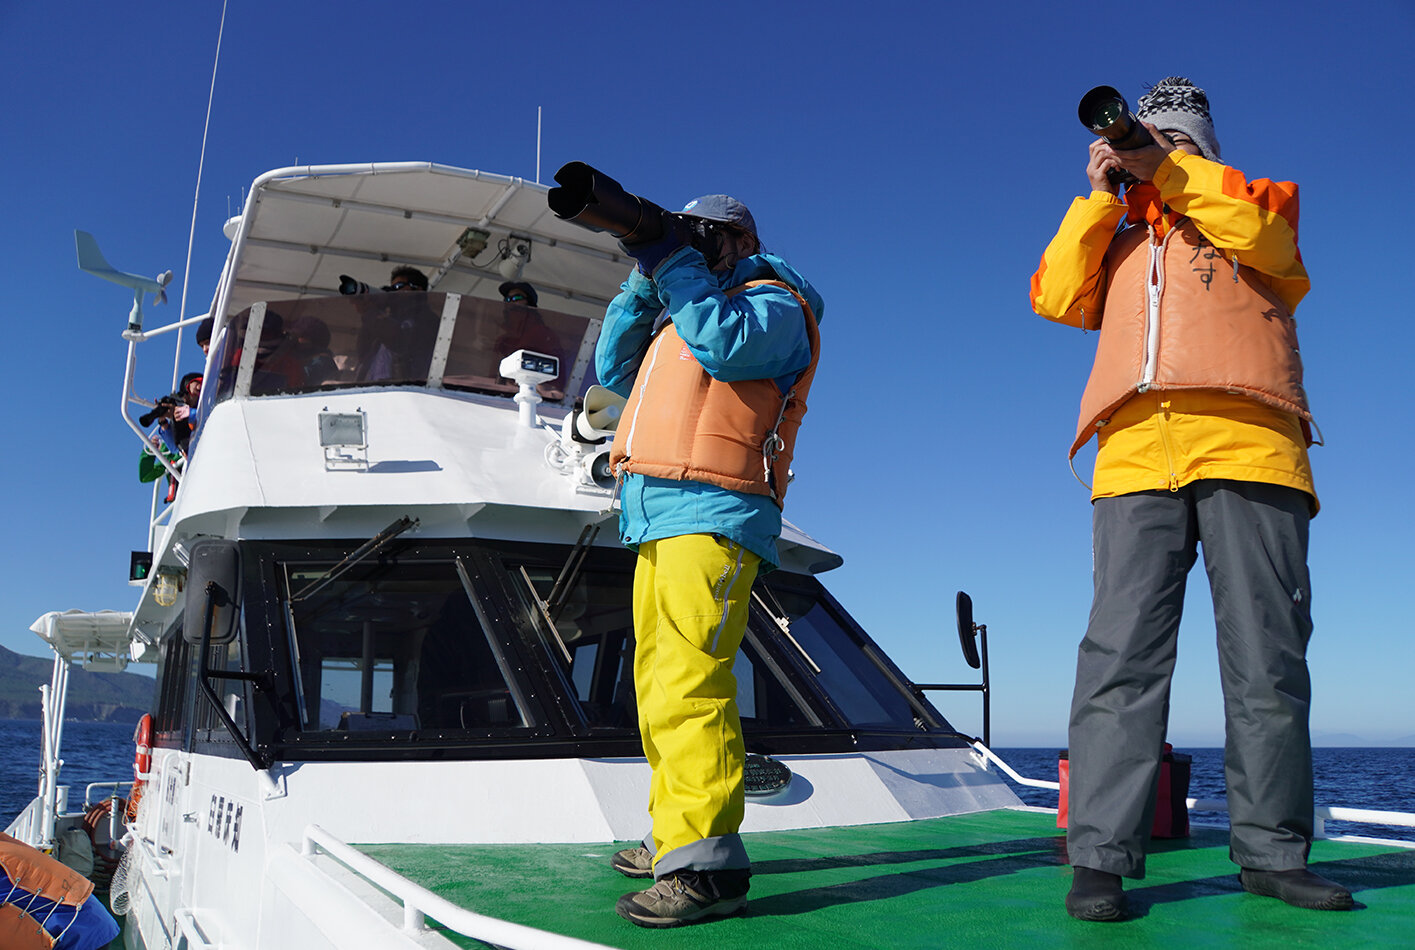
pixel 99 639
pixel 303 227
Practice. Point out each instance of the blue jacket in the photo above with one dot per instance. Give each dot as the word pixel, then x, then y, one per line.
pixel 758 334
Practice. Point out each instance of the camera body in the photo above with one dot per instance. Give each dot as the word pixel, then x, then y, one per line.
pixel 1105 112
pixel 162 411
pixel 591 199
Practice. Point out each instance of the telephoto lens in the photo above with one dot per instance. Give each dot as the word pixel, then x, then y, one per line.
pixel 588 197
pixel 348 286
pixel 1105 112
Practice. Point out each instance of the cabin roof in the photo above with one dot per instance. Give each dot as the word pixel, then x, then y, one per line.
pixel 302 227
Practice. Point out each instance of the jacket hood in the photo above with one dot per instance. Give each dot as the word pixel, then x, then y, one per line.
pixel 763 266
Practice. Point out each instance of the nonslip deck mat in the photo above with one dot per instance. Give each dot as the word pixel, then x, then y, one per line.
pixel 995 879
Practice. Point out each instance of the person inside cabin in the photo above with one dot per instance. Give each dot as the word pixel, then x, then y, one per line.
pixel 1203 439
pixel 277 367
pixel 518 291
pixel 204 335
pixel 525 329
pixel 726 338
pixel 310 336
pixel 45 904
pixel 398 334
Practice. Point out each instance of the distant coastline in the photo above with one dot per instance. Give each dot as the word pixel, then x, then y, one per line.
pixel 93 697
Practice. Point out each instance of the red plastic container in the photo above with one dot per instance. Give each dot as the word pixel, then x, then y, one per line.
pixel 1171 805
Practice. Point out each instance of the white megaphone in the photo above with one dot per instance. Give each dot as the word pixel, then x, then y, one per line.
pixel 597 420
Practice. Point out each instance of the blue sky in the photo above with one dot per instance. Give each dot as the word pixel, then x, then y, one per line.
pixel 912 159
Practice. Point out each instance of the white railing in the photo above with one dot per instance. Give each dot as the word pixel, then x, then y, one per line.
pixel 25 823
pixel 115 790
pixel 991 756
pixel 1323 813
pixel 189 928
pixel 418 902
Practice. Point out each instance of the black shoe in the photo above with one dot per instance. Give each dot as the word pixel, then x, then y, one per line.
pixel 1095 895
pixel 683 897
pixel 1298 887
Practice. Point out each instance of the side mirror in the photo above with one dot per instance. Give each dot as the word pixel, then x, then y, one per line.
pixel 967 631
pixel 213 578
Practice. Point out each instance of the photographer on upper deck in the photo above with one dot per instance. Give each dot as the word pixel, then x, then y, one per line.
pixel 716 349
pixel 176 420
pixel 1196 399
pixel 397 338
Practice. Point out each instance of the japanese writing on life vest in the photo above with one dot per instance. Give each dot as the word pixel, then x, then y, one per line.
pixel 1208 252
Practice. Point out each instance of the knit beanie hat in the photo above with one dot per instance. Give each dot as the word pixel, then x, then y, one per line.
pixel 1176 103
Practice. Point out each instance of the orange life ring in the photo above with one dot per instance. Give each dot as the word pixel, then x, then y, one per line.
pixel 142 759
pixel 142 763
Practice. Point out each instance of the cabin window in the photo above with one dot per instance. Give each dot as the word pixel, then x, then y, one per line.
pixel 173 674
pixel 221 657
pixel 392 339
pixel 396 646
pixel 851 672
pixel 593 638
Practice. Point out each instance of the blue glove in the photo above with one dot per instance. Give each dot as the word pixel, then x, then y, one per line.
pixel 652 252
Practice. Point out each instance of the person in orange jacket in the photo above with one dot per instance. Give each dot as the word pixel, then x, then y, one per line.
pixel 1203 424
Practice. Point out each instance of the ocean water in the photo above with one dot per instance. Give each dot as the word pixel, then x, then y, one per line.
pixel 1381 779
pixel 92 752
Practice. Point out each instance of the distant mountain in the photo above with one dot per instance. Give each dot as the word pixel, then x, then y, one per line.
pixel 93 697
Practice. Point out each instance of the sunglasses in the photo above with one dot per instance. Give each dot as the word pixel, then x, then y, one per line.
pixel 516 298
pixel 401 285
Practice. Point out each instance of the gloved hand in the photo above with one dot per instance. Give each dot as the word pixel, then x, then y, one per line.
pixel 652 252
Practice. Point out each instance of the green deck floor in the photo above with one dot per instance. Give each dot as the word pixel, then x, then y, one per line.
pixel 989 880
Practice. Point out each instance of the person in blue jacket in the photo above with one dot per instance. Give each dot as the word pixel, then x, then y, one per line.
pixel 734 329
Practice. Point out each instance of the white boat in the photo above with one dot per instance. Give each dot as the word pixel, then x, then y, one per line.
pixel 390 615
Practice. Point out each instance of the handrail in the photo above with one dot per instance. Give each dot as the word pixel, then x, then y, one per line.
pixel 419 902
pixel 116 786
pixel 991 756
pixel 1322 813
pixel 1365 816
pixel 189 928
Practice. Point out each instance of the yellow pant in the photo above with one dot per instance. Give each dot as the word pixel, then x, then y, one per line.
pixel 691 598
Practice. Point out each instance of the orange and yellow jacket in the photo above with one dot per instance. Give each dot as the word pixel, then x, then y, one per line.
pixel 1197 371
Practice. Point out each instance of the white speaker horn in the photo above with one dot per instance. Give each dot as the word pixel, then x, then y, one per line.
pixel 601 413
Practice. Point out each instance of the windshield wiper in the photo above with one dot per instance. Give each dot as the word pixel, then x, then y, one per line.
pixel 570 572
pixel 370 547
pixel 783 623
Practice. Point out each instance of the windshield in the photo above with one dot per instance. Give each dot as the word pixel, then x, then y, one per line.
pixel 399 339
pixel 396 647
pixel 496 648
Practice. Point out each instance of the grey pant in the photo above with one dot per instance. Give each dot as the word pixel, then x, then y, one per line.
pixel 1255 552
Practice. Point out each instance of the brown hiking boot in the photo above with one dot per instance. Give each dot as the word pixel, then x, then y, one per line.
pixel 684 897
pixel 633 862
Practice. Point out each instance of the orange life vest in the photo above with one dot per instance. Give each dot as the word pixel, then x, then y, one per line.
pixel 682 424
pixel 1218 327
pixel 36 873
